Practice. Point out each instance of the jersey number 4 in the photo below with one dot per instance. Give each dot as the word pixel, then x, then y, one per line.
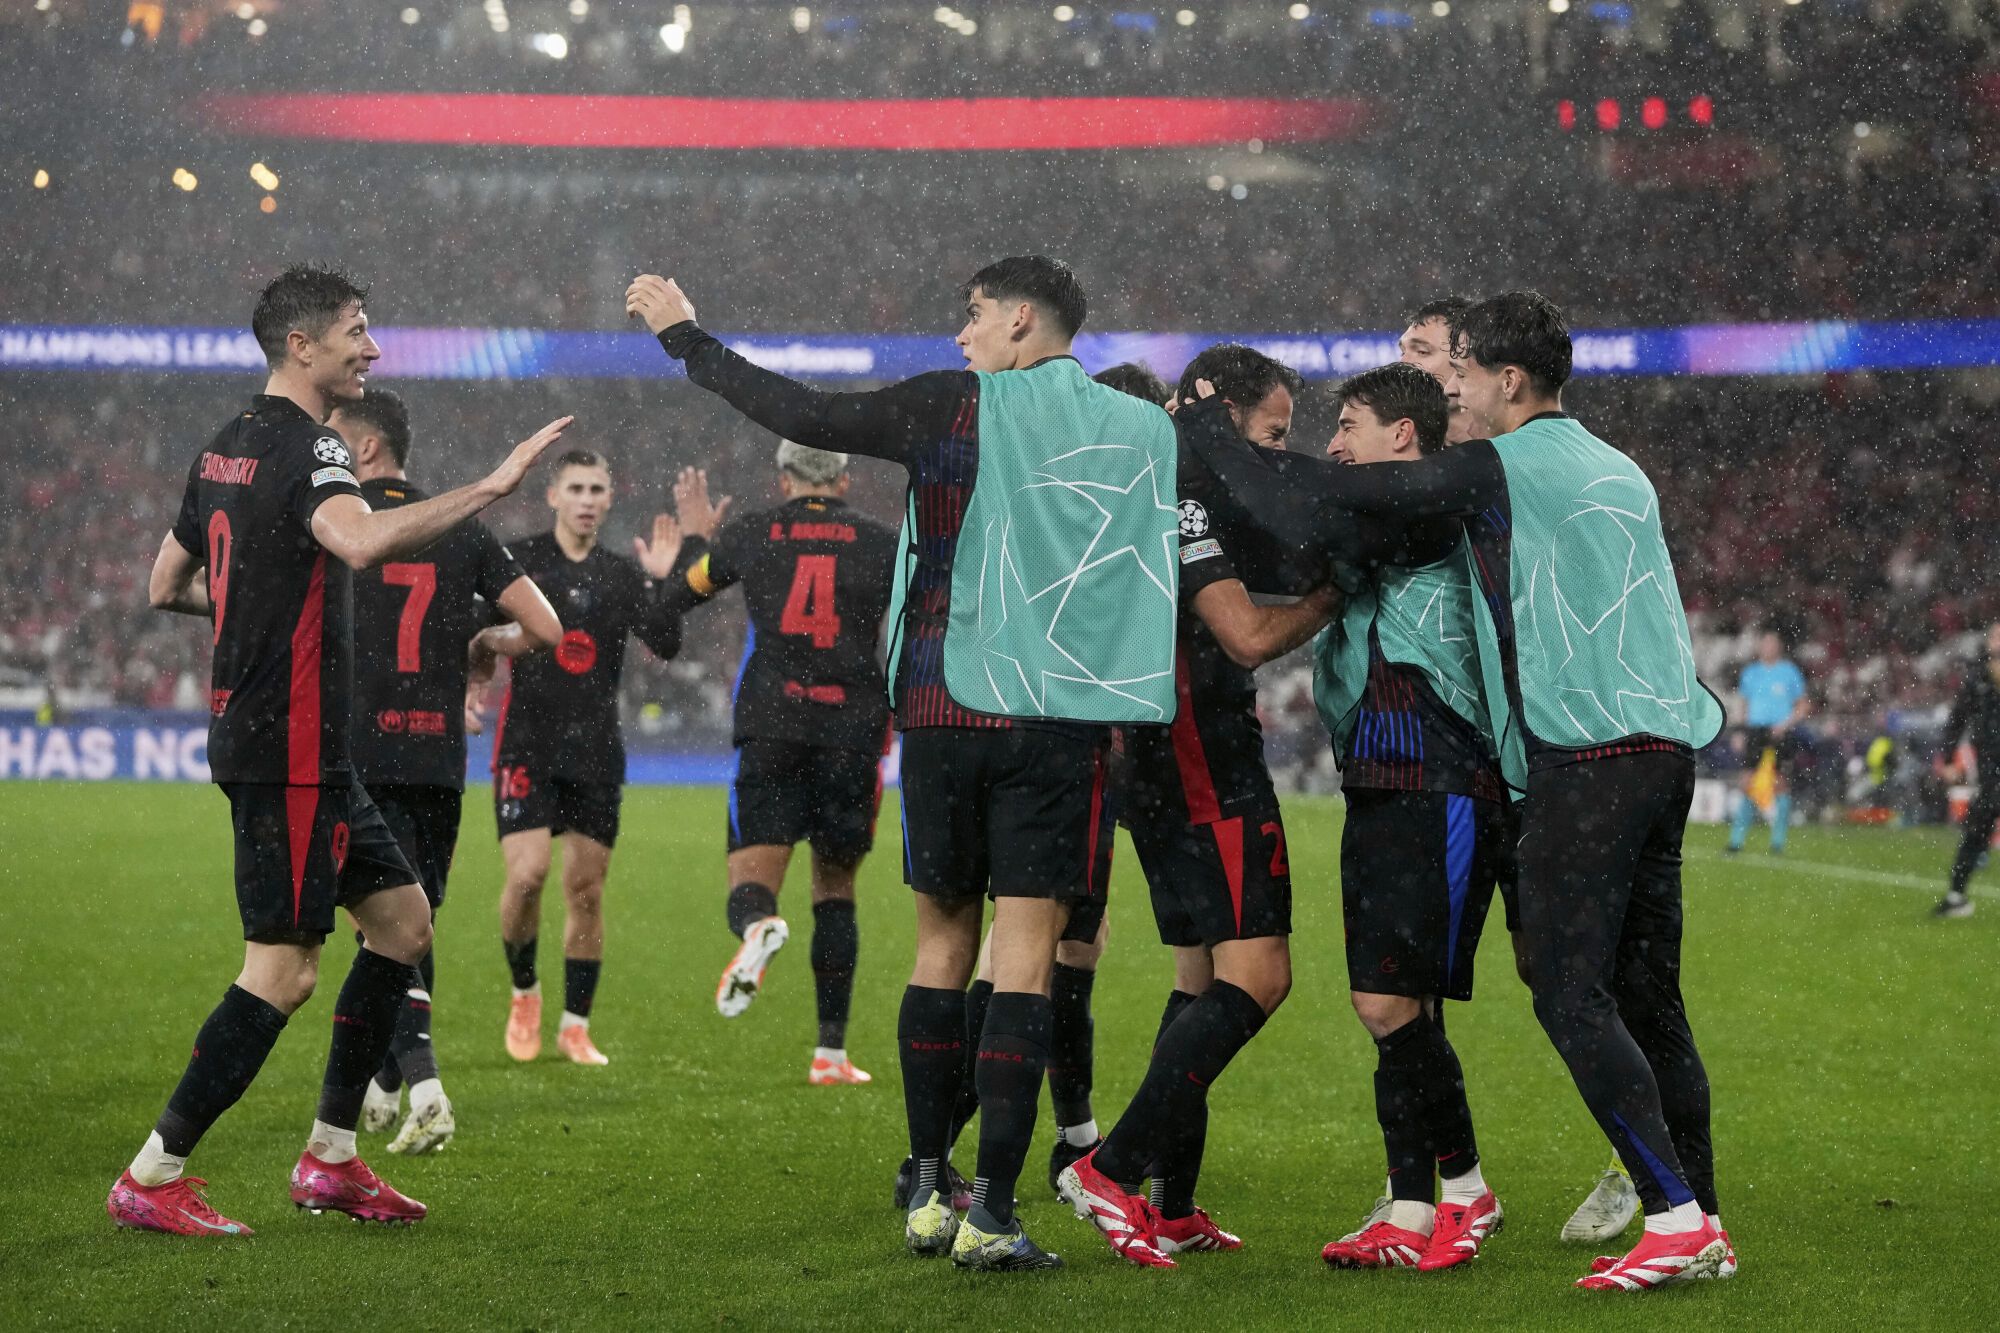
pixel 422 581
pixel 809 608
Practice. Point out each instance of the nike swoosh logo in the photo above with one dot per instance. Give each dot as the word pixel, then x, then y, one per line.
pixel 227 1229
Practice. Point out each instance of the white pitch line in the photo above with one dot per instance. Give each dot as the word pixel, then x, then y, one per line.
pixel 1760 861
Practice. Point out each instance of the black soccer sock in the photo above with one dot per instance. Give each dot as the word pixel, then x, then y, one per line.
pixel 836 943
pixel 364 1022
pixel 410 1050
pixel 1420 1103
pixel 1190 1056
pixel 228 1051
pixel 1072 1039
pixel 978 997
pixel 1174 1180
pixel 1012 1054
pixel 580 984
pixel 750 903
pixel 930 1037
pixel 413 1026
pixel 1176 1001
pixel 521 961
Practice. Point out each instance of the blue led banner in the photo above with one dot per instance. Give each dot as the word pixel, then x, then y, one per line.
pixel 523 354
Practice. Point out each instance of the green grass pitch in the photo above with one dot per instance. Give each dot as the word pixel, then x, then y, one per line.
pixel 699 1182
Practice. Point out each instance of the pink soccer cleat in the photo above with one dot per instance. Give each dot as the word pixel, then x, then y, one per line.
pixel 1179 1235
pixel 1604 1263
pixel 1460 1231
pixel 175 1208
pixel 826 1073
pixel 1661 1261
pixel 1126 1220
pixel 1382 1245
pixel 350 1187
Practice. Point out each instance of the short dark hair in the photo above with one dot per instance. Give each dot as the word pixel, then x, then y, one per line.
pixel 1397 391
pixel 306 297
pixel 1523 329
pixel 579 458
pixel 1243 375
pixel 1133 378
pixel 385 412
pixel 1450 309
pixel 1048 283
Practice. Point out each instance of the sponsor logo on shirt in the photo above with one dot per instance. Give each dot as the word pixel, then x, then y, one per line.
pixel 331 474
pixel 577 652
pixel 1200 550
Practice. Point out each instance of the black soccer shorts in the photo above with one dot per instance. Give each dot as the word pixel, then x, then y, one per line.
pixel 1756 740
pixel 303 851
pixel 788 792
pixel 1229 880
pixel 525 800
pixel 424 817
pixel 1417 871
pixel 1015 812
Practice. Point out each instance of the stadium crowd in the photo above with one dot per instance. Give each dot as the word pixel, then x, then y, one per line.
pixel 1881 578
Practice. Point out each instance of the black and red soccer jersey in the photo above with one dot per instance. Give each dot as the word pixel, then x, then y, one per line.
pixel 279 687
pixel 1209 765
pixel 560 717
pixel 412 620
pixel 816 579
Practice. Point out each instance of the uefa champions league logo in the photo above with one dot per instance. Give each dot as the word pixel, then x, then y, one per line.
pixel 1194 519
pixel 329 450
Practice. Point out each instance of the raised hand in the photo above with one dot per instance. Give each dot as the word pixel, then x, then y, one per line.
pixel 659 301
pixel 506 478
pixel 658 556
pixel 697 516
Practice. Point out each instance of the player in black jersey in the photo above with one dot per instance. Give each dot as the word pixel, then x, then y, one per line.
pixel 558 755
pixel 812 720
pixel 415 620
pixel 267 503
pixel 1204 820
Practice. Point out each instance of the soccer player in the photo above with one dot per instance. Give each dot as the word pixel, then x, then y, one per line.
pixel 1424 842
pixel 273 511
pixel 1773 690
pixel 1023 473
pixel 558 755
pixel 1206 826
pixel 1427 342
pixel 812 720
pixel 415 620
pixel 1598 729
pixel 1975 716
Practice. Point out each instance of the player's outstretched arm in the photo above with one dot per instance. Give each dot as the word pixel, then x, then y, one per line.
pixel 172 586
pixel 1251 634
pixel 361 537
pixel 891 423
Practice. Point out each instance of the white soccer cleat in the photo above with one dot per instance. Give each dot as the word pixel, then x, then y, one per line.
pixel 745 973
pixel 380 1107
pixel 1609 1209
pixel 1379 1213
pixel 428 1129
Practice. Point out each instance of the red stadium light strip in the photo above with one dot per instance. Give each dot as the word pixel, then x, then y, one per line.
pixel 542 120
pixel 1607 114
pixel 1653 113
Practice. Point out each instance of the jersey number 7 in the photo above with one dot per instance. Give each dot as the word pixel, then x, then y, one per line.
pixel 809 608
pixel 422 581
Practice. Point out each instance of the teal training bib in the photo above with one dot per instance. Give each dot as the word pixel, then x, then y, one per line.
pixel 1064 584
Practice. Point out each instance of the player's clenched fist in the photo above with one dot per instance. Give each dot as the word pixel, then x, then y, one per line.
pixel 657 300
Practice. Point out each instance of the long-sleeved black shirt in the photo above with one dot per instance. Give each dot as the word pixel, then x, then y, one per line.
pixel 1975 716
